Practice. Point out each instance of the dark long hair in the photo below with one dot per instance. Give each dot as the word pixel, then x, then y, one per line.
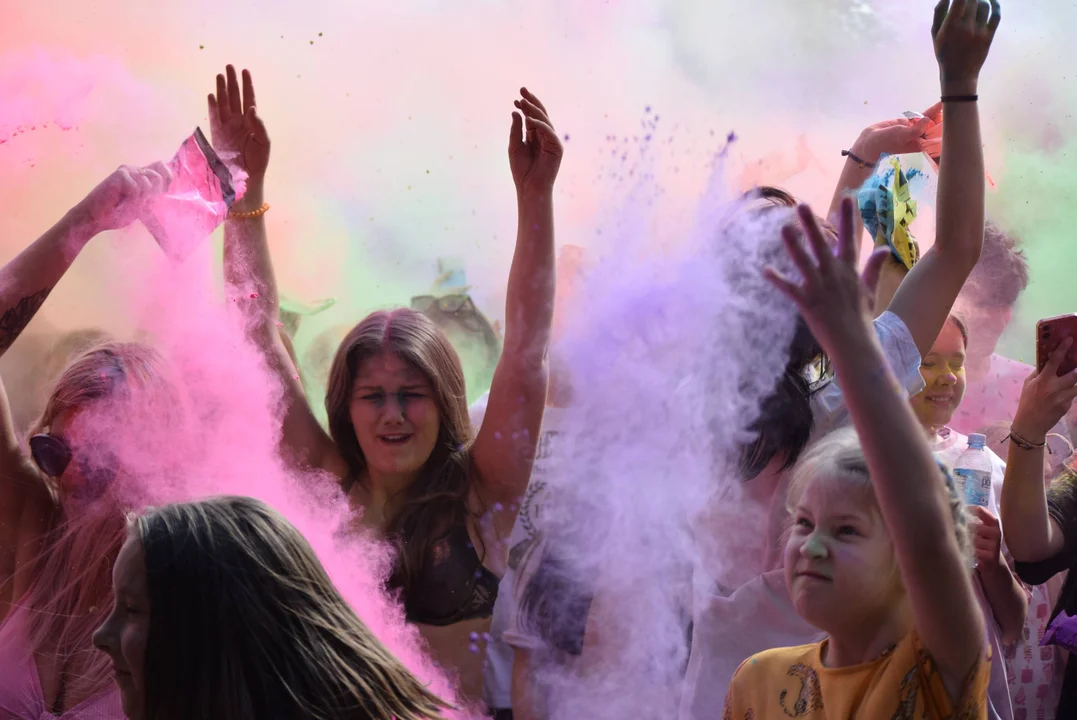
pixel 245 624
pixel 785 421
pixel 438 500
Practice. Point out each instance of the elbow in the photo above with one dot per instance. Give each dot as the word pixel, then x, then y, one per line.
pixel 963 251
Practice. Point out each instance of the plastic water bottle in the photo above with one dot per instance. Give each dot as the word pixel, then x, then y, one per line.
pixel 973 472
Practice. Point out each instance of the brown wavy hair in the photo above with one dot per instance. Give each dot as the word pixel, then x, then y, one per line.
pixel 438 500
pixel 245 624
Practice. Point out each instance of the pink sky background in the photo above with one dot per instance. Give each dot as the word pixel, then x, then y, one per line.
pixel 389 123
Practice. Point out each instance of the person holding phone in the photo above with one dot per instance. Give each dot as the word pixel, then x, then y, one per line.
pixel 1041 523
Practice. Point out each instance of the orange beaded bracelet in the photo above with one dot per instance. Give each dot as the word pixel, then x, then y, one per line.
pixel 250 215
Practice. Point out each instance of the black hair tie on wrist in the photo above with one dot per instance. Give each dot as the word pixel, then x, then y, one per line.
pixel 854 158
pixel 960 98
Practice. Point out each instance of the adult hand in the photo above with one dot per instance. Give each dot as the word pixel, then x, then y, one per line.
pixel 901 136
pixel 121 198
pixel 962 33
pixel 986 535
pixel 534 150
pixel 237 132
pixel 1045 398
pixel 835 302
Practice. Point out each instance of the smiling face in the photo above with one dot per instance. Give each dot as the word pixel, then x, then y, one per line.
pixel 840 567
pixel 395 415
pixel 944 379
pixel 123 635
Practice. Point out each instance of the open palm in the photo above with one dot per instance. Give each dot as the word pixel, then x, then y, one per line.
pixel 535 151
pixel 238 133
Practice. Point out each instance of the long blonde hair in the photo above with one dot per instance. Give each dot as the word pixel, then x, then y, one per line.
pixel 438 500
pixel 246 624
pixel 72 588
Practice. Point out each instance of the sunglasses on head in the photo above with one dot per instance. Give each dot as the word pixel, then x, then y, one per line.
pixel 51 454
pixel 451 304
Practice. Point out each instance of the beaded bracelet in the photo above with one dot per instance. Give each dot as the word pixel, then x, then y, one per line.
pixel 1025 444
pixel 251 214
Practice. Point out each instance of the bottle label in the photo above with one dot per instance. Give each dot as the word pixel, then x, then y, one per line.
pixel 975 486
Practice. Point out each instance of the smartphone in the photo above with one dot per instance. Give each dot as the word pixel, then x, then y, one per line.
pixel 1050 333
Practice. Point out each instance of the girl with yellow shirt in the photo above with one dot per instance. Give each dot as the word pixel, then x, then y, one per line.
pixel 877 557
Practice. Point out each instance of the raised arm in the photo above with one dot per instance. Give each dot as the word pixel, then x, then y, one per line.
pixel 913 500
pixel 25 283
pixel 240 137
pixel 1032 535
pixel 963 33
pixel 504 449
pixel 889 137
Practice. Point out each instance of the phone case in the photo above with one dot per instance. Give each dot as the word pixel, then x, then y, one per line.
pixel 1050 332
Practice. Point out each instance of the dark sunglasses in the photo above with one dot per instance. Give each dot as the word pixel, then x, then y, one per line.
pixel 51 454
pixel 452 304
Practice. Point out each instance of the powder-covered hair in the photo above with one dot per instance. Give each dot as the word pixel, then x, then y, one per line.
pixel 72 589
pixel 839 456
pixel 245 624
pixel 785 422
pixel 1001 274
pixel 961 327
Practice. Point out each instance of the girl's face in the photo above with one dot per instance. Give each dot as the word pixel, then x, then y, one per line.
pixel 944 379
pixel 123 635
pixel 839 563
pixel 395 415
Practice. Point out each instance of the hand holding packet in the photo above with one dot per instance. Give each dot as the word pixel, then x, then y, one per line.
pixel 197 200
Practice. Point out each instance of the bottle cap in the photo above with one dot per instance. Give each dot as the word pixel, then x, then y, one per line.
pixel 977 441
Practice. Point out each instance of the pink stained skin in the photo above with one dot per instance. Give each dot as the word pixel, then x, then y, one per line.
pixel 503 450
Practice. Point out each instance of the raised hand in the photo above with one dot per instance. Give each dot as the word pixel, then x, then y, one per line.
pixel 237 132
pixel 962 32
pixel 534 149
pixel 1046 398
pixel 834 300
pixel 121 198
pixel 901 136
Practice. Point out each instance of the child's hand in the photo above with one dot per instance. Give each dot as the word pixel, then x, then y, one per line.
pixel 986 538
pixel 1046 398
pixel 534 154
pixel 834 301
pixel 963 32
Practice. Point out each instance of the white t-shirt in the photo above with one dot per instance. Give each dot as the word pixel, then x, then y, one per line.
pixel 730 626
pixel 523 544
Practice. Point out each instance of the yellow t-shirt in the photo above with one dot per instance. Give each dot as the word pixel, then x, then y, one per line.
pixel 902 684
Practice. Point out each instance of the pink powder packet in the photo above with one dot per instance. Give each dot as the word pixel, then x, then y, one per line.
pixel 196 202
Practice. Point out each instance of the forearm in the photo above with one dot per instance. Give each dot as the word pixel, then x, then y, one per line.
pixel 27 280
pixel 248 267
pixel 1007 599
pixel 962 184
pixel 852 178
pixel 1023 507
pixel 530 294
pixel 902 466
pixel 915 505
pixel 890 277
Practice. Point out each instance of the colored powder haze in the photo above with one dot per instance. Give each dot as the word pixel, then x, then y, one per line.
pixel 389 128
